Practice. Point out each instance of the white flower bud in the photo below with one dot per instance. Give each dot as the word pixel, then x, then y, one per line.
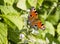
pixel 21 36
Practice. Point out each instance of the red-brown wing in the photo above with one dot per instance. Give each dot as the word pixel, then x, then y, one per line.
pixel 40 25
pixel 33 14
pixel 33 19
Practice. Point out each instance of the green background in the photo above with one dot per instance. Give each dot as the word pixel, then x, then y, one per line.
pixel 13 22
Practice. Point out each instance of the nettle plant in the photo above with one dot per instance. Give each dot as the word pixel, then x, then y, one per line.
pixel 14 26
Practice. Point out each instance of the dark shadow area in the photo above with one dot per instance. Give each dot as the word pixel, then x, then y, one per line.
pixel 1 20
pixel 1 2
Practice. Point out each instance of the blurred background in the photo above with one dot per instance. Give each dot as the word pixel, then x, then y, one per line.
pixel 13 22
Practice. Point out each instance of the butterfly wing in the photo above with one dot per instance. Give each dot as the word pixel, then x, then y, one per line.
pixel 40 25
pixel 33 19
pixel 32 16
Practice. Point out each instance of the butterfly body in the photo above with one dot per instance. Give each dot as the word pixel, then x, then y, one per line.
pixel 33 20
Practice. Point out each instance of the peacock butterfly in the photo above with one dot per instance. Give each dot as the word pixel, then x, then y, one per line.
pixel 33 20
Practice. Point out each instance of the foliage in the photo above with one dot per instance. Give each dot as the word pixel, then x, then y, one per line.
pixel 13 22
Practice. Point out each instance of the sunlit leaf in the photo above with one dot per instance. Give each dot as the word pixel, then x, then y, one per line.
pixel 9 2
pixel 13 32
pixel 32 2
pixel 39 3
pixel 53 19
pixel 9 23
pixel 3 34
pixel 8 9
pixel 16 20
pixel 59 38
pixel 58 29
pixel 22 4
pixel 50 28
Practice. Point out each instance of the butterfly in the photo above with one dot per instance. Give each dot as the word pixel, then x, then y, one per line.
pixel 34 21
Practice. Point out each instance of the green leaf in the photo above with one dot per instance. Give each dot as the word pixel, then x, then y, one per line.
pixel 50 28
pixel 52 0
pixel 3 34
pixel 32 2
pixel 59 38
pixel 39 3
pixel 9 23
pixel 8 9
pixel 13 32
pixel 9 2
pixel 22 4
pixel 58 10
pixel 4 9
pixel 13 35
pixel 15 19
pixel 53 19
pixel 58 29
